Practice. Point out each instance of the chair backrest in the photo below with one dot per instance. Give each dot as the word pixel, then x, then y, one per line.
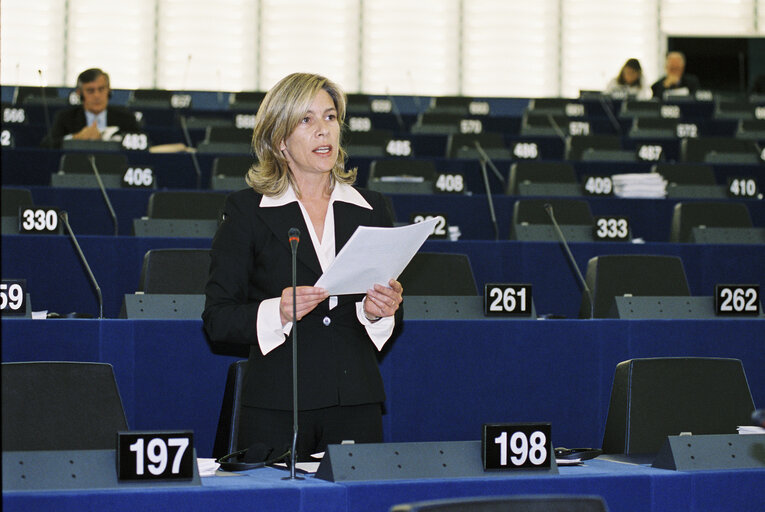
pixel 228 134
pixel 702 149
pixel 536 503
pixel 226 437
pixel 539 172
pixel 106 163
pixel 576 145
pixel 636 274
pixel 438 274
pixel 249 100
pixel 185 205
pixel 371 143
pixel 687 216
pixel 686 174
pixel 657 397
pixel 60 406
pixel 232 165
pixel 175 271
pixel 566 211
pixel 463 144
pixel 425 169
pixel 12 198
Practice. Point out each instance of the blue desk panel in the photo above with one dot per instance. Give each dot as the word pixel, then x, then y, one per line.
pixel 58 281
pixel 625 488
pixel 443 379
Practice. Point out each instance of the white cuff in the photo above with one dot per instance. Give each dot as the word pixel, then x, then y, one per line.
pixel 271 334
pixel 379 331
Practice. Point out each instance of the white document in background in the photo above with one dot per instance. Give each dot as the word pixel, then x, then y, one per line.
pixel 374 255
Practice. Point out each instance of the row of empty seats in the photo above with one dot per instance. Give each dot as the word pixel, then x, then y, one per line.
pixel 197 214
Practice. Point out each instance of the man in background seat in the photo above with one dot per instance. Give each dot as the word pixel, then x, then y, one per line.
pixel 88 120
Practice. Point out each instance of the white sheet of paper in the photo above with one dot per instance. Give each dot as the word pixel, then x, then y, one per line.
pixel 374 255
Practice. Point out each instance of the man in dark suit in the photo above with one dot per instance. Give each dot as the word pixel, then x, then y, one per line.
pixel 676 79
pixel 88 120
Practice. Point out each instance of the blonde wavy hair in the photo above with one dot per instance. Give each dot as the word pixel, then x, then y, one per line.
pixel 279 114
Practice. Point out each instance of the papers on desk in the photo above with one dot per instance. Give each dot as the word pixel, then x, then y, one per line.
pixel 747 429
pixel 640 185
pixel 207 467
pixel 374 255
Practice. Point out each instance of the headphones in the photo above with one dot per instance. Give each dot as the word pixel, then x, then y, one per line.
pixel 88 76
pixel 259 452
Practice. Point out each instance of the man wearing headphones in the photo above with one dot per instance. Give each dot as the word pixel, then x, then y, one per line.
pixel 89 119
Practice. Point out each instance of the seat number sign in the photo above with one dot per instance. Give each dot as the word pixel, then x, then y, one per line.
pixel 13 297
pixel 507 299
pixel 737 299
pixel 509 446
pixel 155 455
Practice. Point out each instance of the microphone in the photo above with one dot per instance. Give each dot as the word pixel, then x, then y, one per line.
pixel 192 151
pixel 610 113
pixel 549 210
pixel 64 216
pixel 489 199
pixel 45 110
pixel 558 131
pixel 186 72
pixel 294 238
pixel 487 158
pixel 396 113
pixel 103 193
pixel 758 417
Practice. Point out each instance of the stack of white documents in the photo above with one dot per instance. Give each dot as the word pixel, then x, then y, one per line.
pixel 642 185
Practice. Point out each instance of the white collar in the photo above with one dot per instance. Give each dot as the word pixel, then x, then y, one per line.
pixel 341 192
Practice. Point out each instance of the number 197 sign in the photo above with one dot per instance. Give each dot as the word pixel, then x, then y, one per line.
pixel 155 455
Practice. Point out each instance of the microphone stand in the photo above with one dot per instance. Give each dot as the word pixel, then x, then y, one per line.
pixel 192 151
pixel 549 210
pixel 64 216
pixel 103 193
pixel 49 140
pixel 486 185
pixel 487 158
pixel 294 239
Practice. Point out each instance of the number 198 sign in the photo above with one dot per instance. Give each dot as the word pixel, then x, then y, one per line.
pixel 507 446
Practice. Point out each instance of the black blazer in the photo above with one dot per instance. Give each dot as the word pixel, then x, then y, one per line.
pixel 72 120
pixel 687 80
pixel 251 261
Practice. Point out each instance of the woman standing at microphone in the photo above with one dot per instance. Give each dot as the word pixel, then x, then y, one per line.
pixel 300 181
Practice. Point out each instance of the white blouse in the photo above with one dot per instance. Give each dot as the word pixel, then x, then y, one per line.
pixel 271 334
